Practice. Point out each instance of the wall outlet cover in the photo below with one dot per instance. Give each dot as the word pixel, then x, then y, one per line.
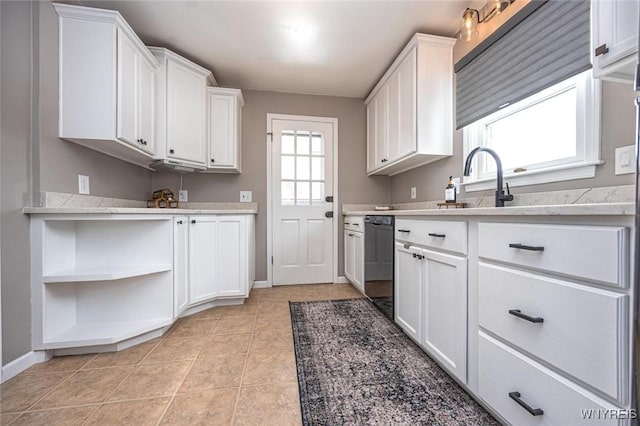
pixel 413 193
pixel 625 160
pixel 83 185
pixel 183 196
pixel 246 196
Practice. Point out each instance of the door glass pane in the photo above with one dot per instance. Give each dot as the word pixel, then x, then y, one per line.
pixel 302 168
pixel 288 193
pixel 302 143
pixel 317 168
pixel 317 145
pixel 288 166
pixel 287 142
pixel 317 193
pixel 302 194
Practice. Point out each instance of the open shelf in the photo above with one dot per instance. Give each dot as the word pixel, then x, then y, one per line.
pixel 103 273
pixel 90 334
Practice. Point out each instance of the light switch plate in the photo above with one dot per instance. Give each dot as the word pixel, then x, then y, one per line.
pixel 83 185
pixel 246 196
pixel 625 160
pixel 183 196
pixel 413 193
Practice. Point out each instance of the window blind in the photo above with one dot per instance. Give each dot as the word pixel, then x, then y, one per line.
pixel 548 46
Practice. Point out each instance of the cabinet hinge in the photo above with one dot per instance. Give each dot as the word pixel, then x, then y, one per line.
pixel 271 136
pixel 272 260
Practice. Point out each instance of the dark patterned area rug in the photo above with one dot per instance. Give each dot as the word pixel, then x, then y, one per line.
pixel 357 367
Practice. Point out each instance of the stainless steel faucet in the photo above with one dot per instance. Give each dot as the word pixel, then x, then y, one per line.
pixel 500 195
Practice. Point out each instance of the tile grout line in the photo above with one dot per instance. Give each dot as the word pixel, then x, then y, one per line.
pixel 244 367
pixel 193 361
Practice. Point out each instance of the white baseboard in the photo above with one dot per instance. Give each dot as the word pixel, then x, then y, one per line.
pixel 261 284
pixel 20 364
pixel 342 280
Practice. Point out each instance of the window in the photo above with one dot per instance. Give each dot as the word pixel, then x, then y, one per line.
pixel 551 136
pixel 302 168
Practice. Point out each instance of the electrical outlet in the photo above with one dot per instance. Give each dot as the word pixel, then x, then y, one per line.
pixel 456 182
pixel 413 193
pixel 625 157
pixel 245 196
pixel 183 196
pixel 83 185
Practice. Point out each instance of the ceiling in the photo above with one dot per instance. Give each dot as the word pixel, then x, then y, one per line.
pixel 338 48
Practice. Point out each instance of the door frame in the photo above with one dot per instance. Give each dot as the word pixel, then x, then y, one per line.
pixel 269 140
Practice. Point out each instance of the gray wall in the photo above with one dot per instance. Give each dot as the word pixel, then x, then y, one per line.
pixel 15 88
pixel 617 129
pixel 354 185
pixel 60 161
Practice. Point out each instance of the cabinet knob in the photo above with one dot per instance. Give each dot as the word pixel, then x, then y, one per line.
pixel 179 222
pixel 193 221
pixel 602 49
pixel 213 160
pixel 171 151
pixel 144 142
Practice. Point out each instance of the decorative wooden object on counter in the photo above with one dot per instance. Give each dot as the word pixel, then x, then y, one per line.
pixel 456 205
pixel 162 198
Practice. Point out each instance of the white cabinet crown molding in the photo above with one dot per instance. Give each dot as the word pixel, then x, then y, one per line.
pixel 162 52
pixel 109 16
pixel 227 91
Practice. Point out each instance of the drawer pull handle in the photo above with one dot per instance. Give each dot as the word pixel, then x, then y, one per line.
pixel 523 247
pixel 533 411
pixel 519 314
pixel 404 230
pixel 355 224
pixel 437 235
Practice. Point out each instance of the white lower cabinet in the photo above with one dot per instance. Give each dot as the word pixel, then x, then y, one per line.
pixel 408 287
pixel 180 264
pixel 354 258
pixel 219 253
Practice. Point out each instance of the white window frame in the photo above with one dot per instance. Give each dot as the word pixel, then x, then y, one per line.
pixel 582 166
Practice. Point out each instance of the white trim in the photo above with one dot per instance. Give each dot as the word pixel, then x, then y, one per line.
pixel 535 177
pixel 261 284
pixel 334 122
pixel 582 166
pixel 342 280
pixel 20 364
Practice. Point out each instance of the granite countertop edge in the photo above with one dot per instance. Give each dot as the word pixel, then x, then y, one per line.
pixel 133 210
pixel 597 209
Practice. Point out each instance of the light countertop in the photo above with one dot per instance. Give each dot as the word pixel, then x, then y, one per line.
pixel 250 209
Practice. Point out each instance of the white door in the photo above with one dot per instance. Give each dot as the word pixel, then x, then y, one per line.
pixel 302 178
pixel 231 256
pixel 445 310
pixel 408 290
pixel 180 264
pixel 202 258
pixel 127 90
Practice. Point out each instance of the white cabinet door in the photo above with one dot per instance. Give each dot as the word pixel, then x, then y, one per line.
pixel 407 138
pixel 408 291
pixel 231 257
pixel 221 131
pixel 180 264
pixel 381 128
pixel 358 259
pixel 203 236
pixel 146 105
pixel 349 264
pixel 127 90
pixel 614 35
pixel 186 106
pixel 393 115
pixel 371 136
pixel 445 310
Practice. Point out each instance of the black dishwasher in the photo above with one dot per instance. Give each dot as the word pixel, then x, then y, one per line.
pixel 378 262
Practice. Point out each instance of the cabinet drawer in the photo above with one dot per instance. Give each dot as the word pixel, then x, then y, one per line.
pixel 583 330
pixel 597 253
pixel 438 234
pixel 354 223
pixel 503 371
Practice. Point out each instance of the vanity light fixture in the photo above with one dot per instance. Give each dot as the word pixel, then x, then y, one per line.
pixel 471 18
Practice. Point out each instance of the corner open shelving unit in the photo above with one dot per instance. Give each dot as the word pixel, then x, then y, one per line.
pixel 100 279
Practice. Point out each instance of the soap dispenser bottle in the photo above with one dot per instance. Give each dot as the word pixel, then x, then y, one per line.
pixel 450 192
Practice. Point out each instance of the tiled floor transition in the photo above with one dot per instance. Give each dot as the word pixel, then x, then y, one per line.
pixel 226 365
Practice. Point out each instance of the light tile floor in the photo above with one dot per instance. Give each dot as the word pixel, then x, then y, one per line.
pixel 226 365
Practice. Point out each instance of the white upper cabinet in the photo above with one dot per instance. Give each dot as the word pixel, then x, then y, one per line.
pixel 410 111
pixel 181 88
pixel 614 38
pixel 104 74
pixel 224 129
